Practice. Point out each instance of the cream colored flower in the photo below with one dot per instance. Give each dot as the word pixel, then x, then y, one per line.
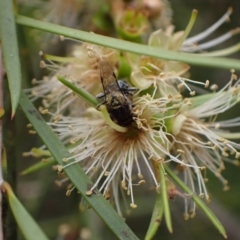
pixel 165 75
pixel 80 69
pixel 202 141
pixel 116 159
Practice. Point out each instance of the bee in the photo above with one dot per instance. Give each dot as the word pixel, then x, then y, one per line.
pixel 117 95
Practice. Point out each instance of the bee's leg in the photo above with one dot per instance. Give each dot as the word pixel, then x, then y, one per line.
pixel 131 89
pixel 102 103
pixel 123 85
pixel 100 95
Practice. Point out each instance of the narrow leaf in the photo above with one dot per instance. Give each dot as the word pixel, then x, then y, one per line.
pixel 86 96
pixel 156 218
pixel 193 59
pixel 76 174
pixel 212 217
pixel 10 51
pixel 26 223
pixel 164 195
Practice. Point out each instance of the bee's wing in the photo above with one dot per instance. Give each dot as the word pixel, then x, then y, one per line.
pixel 107 74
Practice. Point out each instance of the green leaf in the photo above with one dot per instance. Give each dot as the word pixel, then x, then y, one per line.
pixel 156 218
pixel 212 217
pixel 86 96
pixel 193 59
pixel 10 51
pixel 26 223
pixel 164 195
pixel 76 174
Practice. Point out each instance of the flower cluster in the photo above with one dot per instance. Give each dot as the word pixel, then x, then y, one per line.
pixel 78 68
pixel 166 128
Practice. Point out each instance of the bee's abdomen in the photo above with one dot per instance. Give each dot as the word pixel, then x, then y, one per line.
pixel 120 109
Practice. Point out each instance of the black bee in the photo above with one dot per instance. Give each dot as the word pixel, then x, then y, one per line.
pixel 117 95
